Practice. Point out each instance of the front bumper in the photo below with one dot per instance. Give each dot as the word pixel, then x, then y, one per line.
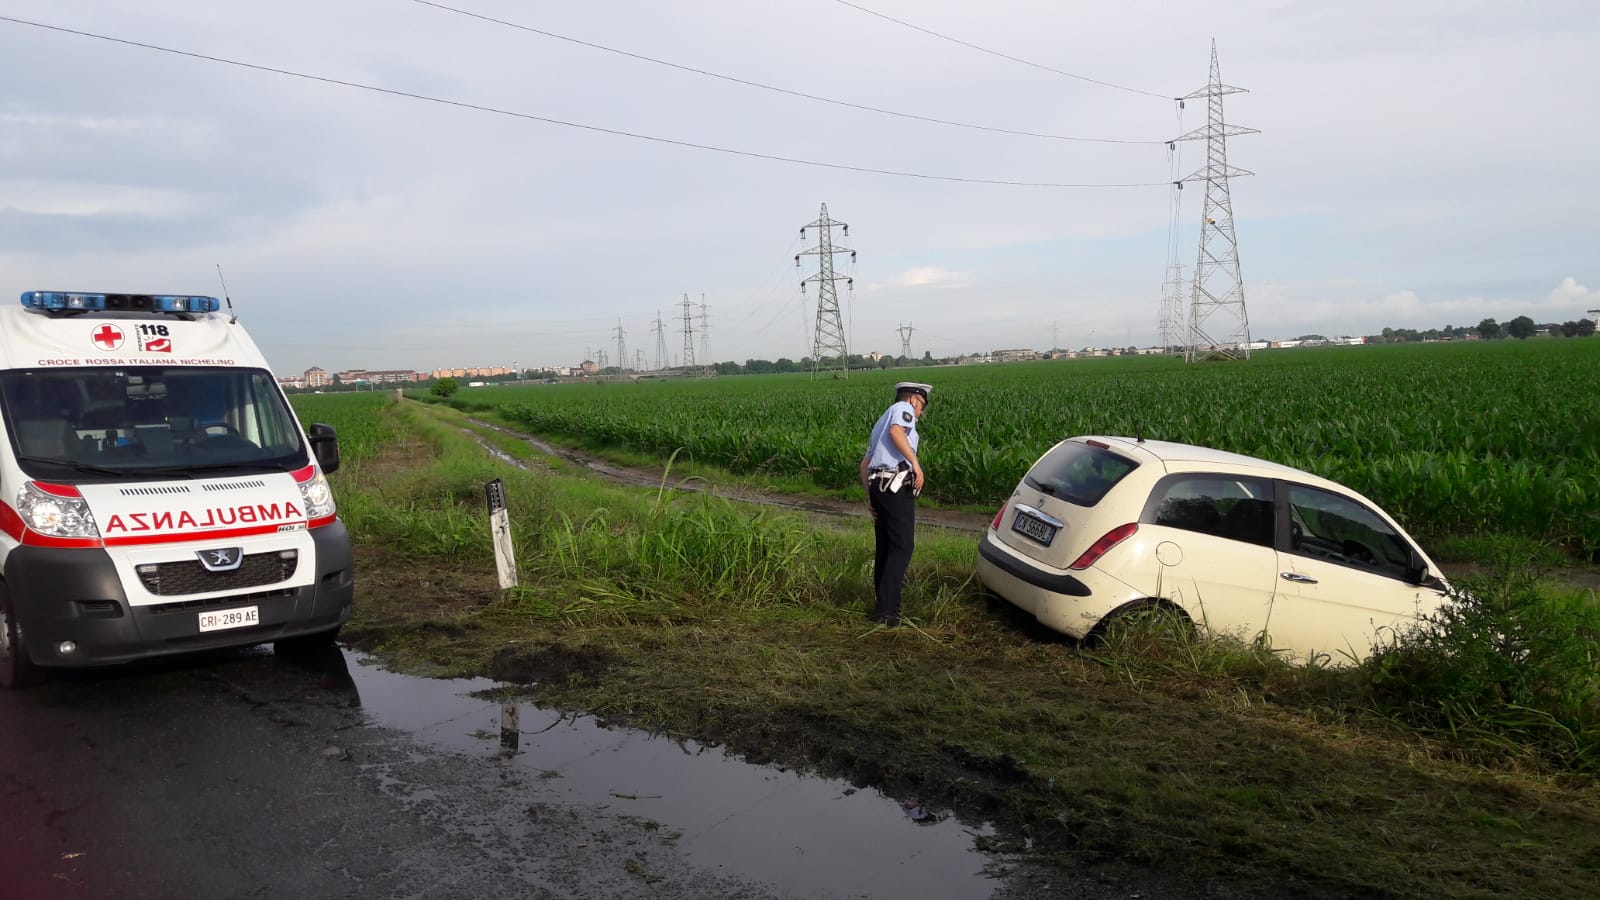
pixel 60 595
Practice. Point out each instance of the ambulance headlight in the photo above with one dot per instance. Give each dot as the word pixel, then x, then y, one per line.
pixel 56 511
pixel 318 497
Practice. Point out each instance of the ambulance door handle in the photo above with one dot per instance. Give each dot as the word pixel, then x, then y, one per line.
pixel 1297 578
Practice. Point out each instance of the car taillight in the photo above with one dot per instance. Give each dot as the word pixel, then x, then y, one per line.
pixel 995 525
pixel 1108 540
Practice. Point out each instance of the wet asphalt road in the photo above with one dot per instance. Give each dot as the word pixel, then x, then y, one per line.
pixel 247 775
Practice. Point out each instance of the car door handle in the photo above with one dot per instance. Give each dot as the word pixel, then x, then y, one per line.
pixel 1297 578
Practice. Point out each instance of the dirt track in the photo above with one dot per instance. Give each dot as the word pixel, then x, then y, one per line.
pixel 652 478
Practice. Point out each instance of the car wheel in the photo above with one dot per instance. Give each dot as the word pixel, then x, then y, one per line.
pixel 1144 622
pixel 16 669
pixel 306 643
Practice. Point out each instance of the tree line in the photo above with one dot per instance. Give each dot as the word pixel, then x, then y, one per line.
pixel 1521 328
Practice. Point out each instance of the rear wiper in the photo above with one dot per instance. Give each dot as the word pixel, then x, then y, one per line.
pixel 74 466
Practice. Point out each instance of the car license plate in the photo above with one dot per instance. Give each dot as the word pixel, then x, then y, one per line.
pixel 1038 529
pixel 222 619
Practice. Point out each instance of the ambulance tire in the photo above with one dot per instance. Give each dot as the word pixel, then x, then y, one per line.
pixel 16 669
pixel 306 644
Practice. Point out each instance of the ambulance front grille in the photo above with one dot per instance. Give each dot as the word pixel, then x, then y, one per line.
pixel 215 602
pixel 175 578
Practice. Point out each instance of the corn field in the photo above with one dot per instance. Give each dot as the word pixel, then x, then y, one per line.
pixel 1495 437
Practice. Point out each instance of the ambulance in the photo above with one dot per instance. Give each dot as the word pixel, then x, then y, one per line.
pixel 157 494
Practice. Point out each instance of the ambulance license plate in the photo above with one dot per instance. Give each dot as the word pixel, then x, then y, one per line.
pixel 222 619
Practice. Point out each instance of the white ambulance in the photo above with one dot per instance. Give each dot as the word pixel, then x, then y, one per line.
pixel 157 494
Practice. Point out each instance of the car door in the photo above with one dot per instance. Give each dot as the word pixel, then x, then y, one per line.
pixel 1215 552
pixel 1344 578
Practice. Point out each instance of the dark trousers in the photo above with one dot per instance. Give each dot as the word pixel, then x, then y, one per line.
pixel 895 528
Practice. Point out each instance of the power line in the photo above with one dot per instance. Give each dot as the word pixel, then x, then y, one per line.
pixel 767 87
pixel 1015 59
pixel 460 104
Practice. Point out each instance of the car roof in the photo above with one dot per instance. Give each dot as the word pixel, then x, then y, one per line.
pixel 1173 452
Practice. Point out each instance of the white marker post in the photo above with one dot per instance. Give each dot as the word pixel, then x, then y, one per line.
pixel 510 731
pixel 500 530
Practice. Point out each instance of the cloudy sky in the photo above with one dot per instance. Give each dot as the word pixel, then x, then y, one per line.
pixel 1419 164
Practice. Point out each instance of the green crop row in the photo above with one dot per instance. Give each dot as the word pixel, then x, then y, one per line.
pixel 1500 437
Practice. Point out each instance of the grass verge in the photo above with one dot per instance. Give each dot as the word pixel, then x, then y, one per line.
pixel 693 616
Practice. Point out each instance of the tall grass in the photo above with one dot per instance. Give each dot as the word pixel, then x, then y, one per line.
pixel 1508 666
pixel 592 552
pixel 1507 669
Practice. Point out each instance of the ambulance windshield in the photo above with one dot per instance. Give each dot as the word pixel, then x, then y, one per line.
pixel 137 422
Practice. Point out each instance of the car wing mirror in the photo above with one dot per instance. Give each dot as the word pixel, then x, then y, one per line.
pixel 325 447
pixel 1416 569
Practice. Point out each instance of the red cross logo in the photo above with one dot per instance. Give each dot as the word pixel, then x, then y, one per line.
pixel 107 337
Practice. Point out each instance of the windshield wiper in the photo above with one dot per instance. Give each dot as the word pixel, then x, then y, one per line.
pixel 74 466
pixel 203 470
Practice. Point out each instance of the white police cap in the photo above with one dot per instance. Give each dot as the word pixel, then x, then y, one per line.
pixel 913 386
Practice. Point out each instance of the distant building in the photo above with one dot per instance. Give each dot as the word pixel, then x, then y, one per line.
pixel 588 367
pixel 381 376
pixel 472 372
pixel 1013 355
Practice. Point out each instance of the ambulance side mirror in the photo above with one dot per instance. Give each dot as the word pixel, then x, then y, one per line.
pixel 325 447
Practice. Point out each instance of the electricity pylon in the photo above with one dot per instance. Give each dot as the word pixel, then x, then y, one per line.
pixel 661 343
pixel 688 337
pixel 622 349
pixel 705 339
pixel 1218 328
pixel 905 340
pixel 1171 334
pixel 829 342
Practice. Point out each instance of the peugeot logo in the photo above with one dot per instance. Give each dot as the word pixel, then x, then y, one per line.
pixel 221 559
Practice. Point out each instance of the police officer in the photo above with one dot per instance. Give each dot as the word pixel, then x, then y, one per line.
pixel 892 476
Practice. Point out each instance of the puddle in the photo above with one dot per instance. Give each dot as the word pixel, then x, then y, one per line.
pixel 809 836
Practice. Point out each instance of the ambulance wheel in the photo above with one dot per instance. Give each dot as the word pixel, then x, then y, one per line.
pixel 16 669
pixel 306 643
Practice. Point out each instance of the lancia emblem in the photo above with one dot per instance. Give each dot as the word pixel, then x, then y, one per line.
pixel 221 559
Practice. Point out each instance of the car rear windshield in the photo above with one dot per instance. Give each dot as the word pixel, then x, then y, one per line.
pixel 1079 473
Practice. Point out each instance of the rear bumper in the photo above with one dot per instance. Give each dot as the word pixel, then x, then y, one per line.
pixel 1070 603
pixel 75 595
pixel 1025 571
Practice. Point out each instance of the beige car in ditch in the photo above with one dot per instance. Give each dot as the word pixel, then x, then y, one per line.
pixel 1102 527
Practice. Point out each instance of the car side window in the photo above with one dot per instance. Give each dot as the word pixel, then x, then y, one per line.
pixel 1227 506
pixel 1324 525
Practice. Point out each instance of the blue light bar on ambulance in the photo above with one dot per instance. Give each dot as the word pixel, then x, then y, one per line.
pixel 167 303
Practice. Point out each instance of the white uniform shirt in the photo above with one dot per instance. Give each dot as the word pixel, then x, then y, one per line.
pixel 882 450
